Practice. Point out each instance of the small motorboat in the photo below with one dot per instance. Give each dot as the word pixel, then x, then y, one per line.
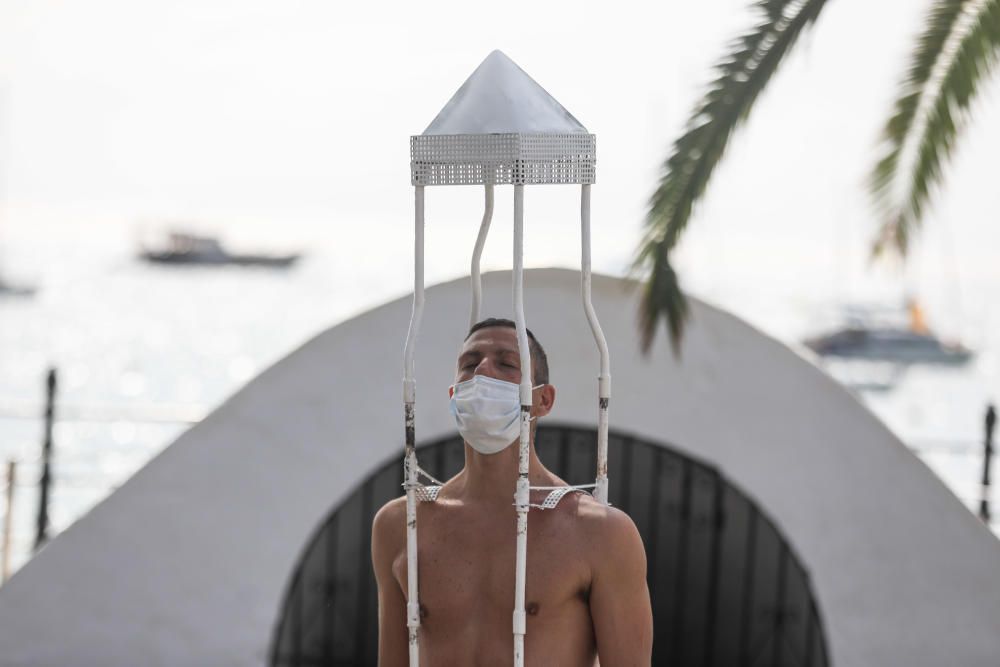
pixel 14 290
pixel 896 344
pixel 184 248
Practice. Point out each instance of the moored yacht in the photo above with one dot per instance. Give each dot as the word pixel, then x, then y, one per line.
pixel 906 344
pixel 185 248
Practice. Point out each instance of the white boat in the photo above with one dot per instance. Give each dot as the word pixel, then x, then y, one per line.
pixel 904 344
pixel 12 289
pixel 185 248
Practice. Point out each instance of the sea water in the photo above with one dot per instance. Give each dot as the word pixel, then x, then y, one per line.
pixel 143 351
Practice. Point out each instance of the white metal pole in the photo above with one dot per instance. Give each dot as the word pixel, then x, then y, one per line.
pixel 410 458
pixel 604 379
pixel 477 253
pixel 522 493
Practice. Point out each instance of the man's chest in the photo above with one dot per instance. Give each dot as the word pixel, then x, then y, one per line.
pixel 467 567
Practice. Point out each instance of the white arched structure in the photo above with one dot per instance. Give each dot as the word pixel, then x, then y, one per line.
pixel 188 562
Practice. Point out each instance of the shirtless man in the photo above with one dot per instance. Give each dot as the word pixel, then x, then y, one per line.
pixel 585 596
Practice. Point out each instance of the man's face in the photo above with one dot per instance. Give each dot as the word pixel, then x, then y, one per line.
pixel 491 352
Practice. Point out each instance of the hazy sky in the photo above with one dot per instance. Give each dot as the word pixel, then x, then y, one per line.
pixel 289 121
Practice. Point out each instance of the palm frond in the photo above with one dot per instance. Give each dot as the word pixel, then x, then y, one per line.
pixel 958 48
pixel 659 296
pixel 741 75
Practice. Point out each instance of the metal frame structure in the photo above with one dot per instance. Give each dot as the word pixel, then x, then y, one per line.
pixel 517 158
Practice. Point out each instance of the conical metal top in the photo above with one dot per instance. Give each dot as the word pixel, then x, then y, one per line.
pixel 502 127
pixel 500 98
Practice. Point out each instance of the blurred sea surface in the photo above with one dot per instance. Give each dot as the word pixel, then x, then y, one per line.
pixel 143 351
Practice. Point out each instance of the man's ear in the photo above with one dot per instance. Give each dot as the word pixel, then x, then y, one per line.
pixel 546 399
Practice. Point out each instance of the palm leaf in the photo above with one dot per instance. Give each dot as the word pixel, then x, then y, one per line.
pixel 659 296
pixel 741 76
pixel 958 48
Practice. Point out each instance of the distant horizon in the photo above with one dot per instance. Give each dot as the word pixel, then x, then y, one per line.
pixel 289 124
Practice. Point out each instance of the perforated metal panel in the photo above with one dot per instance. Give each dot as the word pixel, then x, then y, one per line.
pixel 499 159
pixel 726 588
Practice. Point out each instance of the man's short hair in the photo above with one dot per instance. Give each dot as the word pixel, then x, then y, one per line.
pixel 539 362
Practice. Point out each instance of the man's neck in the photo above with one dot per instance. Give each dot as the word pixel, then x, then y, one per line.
pixel 490 478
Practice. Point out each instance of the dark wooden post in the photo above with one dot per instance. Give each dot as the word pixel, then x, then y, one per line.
pixel 8 519
pixel 984 502
pixel 46 480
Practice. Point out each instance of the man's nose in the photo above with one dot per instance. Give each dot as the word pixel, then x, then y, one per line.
pixel 487 368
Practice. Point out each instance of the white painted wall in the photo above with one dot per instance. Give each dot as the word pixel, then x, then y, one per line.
pixel 188 562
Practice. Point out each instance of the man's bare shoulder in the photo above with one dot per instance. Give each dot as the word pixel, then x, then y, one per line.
pixel 595 515
pixel 610 530
pixel 389 525
pixel 390 514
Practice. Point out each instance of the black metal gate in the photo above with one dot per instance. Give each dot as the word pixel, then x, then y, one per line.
pixel 726 589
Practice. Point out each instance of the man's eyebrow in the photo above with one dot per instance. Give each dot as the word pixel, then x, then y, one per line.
pixel 477 354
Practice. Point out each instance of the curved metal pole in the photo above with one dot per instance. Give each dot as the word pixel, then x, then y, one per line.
pixel 410 458
pixel 477 253
pixel 522 493
pixel 604 379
